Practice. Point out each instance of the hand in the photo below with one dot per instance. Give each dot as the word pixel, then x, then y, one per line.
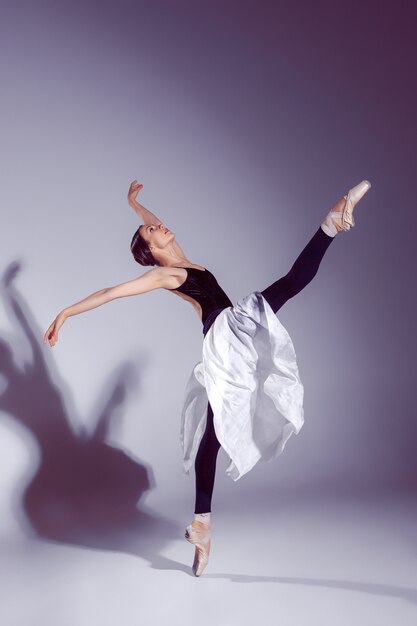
pixel 51 334
pixel 134 189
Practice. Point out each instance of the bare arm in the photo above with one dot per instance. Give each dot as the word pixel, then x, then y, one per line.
pixel 152 279
pixel 146 216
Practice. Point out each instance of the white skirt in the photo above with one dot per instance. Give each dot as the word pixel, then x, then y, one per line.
pixel 249 374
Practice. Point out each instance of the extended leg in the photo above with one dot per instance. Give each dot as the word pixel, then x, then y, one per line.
pixel 301 273
pixel 205 466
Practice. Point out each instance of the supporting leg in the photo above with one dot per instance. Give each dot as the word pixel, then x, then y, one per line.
pixel 205 466
pixel 301 273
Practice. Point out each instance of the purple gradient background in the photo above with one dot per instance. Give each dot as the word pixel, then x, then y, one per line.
pixel 246 122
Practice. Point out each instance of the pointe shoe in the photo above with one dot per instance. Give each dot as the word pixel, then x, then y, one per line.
pixel 352 198
pixel 201 538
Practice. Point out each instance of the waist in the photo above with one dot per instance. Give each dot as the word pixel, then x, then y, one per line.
pixel 210 319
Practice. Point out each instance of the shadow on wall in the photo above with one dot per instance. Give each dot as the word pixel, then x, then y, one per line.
pixel 84 491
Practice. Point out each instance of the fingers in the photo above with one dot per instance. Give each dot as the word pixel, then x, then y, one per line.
pixel 135 185
pixel 51 335
pixel 45 337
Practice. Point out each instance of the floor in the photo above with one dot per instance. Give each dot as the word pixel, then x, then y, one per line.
pixel 313 560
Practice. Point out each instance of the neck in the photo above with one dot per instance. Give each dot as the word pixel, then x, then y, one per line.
pixel 169 259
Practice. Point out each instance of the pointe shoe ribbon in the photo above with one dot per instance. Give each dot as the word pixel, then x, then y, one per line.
pixel 346 222
pixel 200 538
pixel 328 224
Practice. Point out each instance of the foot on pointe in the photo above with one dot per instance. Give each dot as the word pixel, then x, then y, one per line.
pixel 341 216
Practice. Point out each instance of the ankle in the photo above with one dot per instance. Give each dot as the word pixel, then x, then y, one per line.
pixel 201 520
pixel 338 208
pixel 332 223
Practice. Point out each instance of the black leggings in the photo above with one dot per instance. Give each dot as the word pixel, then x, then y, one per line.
pixel 301 273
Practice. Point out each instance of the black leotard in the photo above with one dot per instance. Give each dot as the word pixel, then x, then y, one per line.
pixel 202 286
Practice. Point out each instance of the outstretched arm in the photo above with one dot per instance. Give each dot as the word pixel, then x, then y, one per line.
pixel 152 279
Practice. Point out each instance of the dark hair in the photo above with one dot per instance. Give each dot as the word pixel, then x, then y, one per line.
pixel 140 250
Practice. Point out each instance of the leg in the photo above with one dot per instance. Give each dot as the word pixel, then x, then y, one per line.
pixel 199 531
pixel 301 273
pixel 205 466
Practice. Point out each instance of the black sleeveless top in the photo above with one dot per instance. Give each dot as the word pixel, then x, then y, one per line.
pixel 202 286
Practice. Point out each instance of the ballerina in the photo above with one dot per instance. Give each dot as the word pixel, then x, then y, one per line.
pixel 245 395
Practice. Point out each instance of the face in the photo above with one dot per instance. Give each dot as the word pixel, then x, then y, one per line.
pixel 156 235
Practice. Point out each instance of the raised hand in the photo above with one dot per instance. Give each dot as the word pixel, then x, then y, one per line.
pixel 134 189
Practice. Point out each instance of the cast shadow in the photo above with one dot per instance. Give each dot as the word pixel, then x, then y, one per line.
pixel 83 491
pixel 407 594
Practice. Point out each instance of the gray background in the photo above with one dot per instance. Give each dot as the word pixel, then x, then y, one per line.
pixel 245 122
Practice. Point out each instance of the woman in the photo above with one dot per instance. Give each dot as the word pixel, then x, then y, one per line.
pixel 246 394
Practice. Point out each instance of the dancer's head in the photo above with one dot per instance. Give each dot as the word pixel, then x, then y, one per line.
pixel 148 241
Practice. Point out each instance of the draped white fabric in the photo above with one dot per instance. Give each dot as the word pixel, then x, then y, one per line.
pixel 249 374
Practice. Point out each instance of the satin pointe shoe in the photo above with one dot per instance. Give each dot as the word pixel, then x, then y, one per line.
pixel 200 537
pixel 351 199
